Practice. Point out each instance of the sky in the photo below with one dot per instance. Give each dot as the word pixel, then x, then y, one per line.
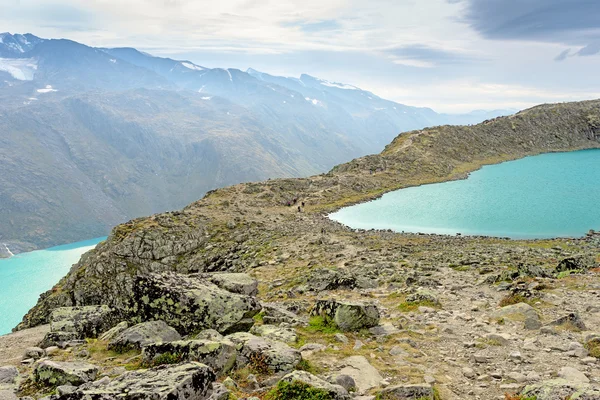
pixel 451 55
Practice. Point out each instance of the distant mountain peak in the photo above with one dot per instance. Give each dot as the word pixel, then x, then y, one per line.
pixel 17 44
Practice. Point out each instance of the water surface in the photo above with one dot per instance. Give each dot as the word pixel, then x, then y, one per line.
pixel 25 276
pixel 550 195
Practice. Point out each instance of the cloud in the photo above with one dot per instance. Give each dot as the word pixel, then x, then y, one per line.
pixel 563 56
pixel 423 56
pixel 573 22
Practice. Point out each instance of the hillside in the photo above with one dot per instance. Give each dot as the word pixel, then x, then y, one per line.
pixel 93 137
pixel 466 315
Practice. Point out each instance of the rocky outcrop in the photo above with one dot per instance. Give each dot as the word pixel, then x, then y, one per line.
pixel 348 316
pixel 190 381
pixel 281 334
pixel 218 355
pixel 336 392
pixel 76 323
pixel 54 373
pixel 559 389
pixel 272 355
pixel 191 304
pixel 141 335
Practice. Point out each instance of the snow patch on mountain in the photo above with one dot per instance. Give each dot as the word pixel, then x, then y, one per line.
pixel 314 101
pixel 22 69
pixel 338 85
pixel 47 89
pixel 192 66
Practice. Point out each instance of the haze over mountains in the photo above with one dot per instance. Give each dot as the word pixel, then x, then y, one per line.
pixel 92 137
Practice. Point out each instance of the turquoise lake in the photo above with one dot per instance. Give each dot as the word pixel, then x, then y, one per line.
pixel 25 276
pixel 545 196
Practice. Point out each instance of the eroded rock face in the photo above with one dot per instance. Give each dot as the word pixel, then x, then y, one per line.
pixel 140 335
pixel 337 392
pixel 218 355
pixel 191 304
pixel 348 316
pixel 190 381
pixel 54 373
pixel 560 389
pixel 277 356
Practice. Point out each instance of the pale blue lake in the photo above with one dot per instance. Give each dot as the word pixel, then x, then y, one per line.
pixel 25 276
pixel 545 196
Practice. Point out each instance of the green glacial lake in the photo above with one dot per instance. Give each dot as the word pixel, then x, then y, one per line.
pixel 545 196
pixel 25 276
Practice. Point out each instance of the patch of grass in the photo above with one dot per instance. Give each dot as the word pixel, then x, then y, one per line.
pixel 516 299
pixel 564 274
pixel 305 365
pixel 258 364
pixel 258 318
pixel 297 391
pixel 100 354
pixel 518 397
pixel 323 325
pixel 593 346
pixel 164 359
pixel 483 343
pixel 408 306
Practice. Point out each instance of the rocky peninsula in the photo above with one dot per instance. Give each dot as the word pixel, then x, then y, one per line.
pixel 253 293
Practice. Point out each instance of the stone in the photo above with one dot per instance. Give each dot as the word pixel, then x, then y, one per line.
pixel 321 279
pixel 219 355
pixel 8 375
pixel 275 314
pixel 209 334
pixel 277 356
pixel 34 352
pixel 560 389
pixel 230 384
pixel 191 304
pixel 576 264
pixel 76 323
pixel 423 296
pixel 407 392
pixel 236 283
pixel 143 334
pixel 520 312
pixel 469 373
pixel 501 339
pixel 189 381
pixel 52 350
pixel 54 373
pixel 572 319
pixel 286 335
pixel 384 330
pixel 219 392
pixel 114 331
pixel 65 389
pixel 336 392
pixel 348 316
pixel 571 374
pixel 517 377
pixel 341 338
pixel 346 381
pixel 364 374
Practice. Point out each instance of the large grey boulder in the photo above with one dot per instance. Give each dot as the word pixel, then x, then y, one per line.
pixel 286 335
pixel 348 316
pixel 8 375
pixel 190 381
pixel 191 304
pixel 55 373
pixel 236 283
pixel 406 392
pixel 143 334
pixel 337 392
pixel 560 389
pixel 76 323
pixel 520 312
pixel 114 331
pixel 219 355
pixel 364 374
pixel 277 356
pixel 275 314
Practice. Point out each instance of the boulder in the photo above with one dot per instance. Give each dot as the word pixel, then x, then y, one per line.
pixel 276 356
pixel 275 314
pixel 190 381
pixel 219 355
pixel 77 323
pixel 236 283
pixel 571 374
pixel 8 375
pixel 407 392
pixel 142 335
pixel 209 334
pixel 114 331
pixel 575 264
pixel 422 296
pixel 521 312
pixel 286 335
pixel 364 374
pixel 330 279
pixel 572 319
pixel 560 389
pixel 336 392
pixel 35 353
pixel 348 316
pixel 191 304
pixel 55 373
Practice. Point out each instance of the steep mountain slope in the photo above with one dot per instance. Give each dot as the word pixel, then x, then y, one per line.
pixel 92 137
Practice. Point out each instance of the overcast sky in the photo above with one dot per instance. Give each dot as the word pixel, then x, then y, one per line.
pixel 451 55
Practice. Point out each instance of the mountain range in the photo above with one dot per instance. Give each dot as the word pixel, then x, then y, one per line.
pixel 92 137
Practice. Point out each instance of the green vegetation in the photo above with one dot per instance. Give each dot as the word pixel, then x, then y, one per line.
pixel 165 359
pixel 305 365
pixel 516 299
pixel 323 325
pixel 297 391
pixel 593 346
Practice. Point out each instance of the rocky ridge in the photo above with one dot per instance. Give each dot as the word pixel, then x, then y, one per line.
pixel 338 313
